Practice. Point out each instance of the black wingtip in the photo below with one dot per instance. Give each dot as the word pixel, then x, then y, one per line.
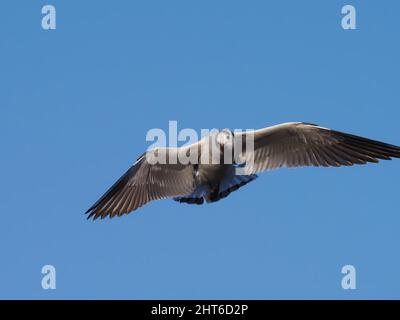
pixel 92 214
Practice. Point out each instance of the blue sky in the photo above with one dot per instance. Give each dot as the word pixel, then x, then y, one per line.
pixel 77 102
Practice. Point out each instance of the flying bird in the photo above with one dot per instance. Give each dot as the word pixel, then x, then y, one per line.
pixel 209 178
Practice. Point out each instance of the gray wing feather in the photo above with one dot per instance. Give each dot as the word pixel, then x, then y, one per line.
pixel 299 144
pixel 145 182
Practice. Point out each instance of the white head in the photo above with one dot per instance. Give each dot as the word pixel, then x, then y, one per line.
pixel 225 138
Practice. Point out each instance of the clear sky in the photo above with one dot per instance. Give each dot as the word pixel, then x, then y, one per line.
pixel 76 104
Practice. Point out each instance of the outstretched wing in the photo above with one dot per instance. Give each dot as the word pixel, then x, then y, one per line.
pixel 145 181
pixel 299 144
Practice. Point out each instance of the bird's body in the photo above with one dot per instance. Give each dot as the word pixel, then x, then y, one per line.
pixel 214 182
pixel 211 174
pixel 209 169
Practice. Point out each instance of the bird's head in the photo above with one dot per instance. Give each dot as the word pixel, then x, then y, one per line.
pixel 225 138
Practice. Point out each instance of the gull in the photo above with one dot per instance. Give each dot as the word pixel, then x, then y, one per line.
pixel 292 144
